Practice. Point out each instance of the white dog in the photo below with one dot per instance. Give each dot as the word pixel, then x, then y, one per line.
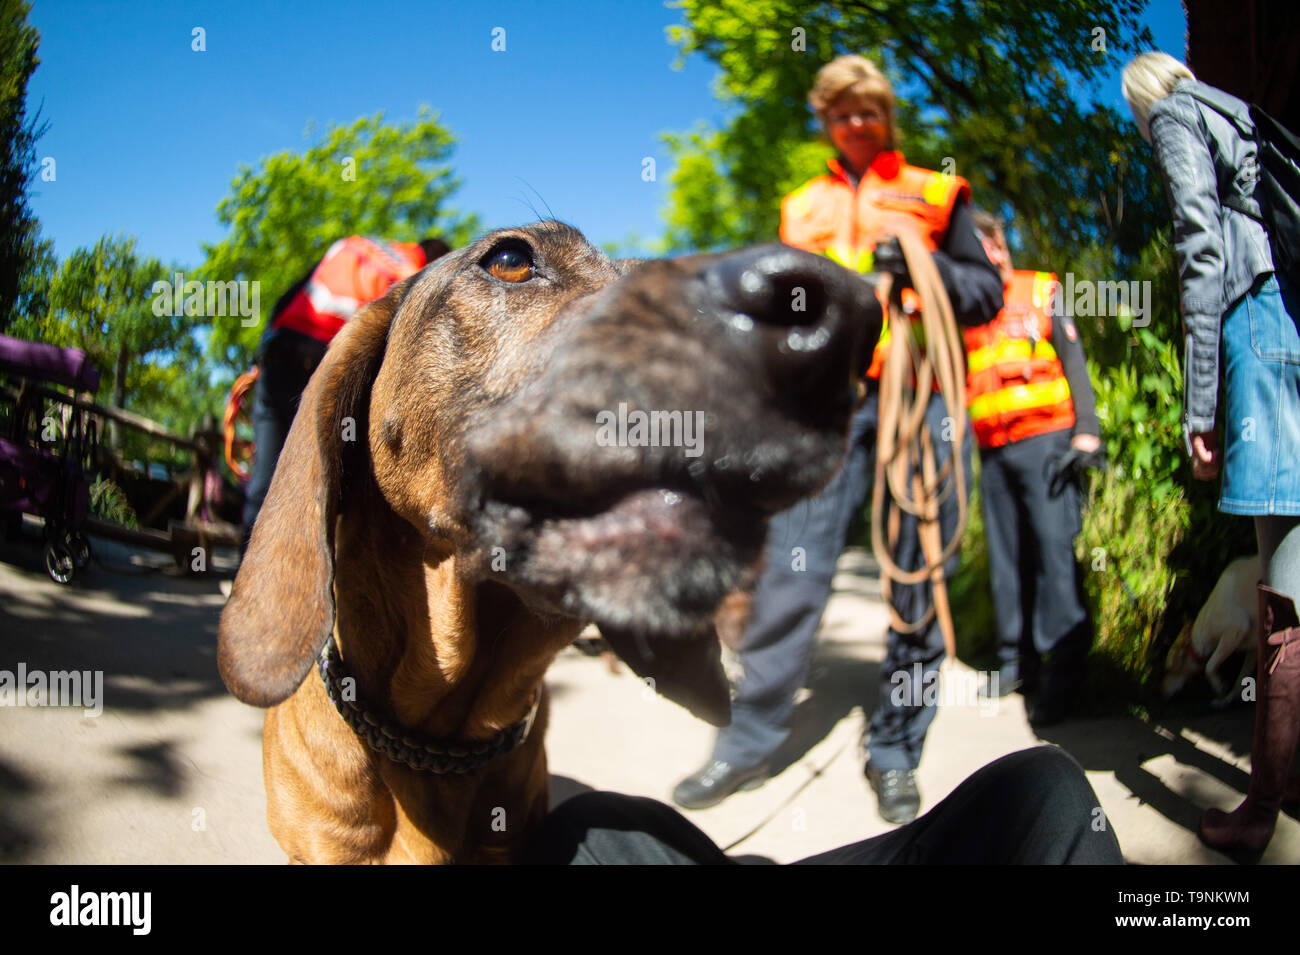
pixel 1225 625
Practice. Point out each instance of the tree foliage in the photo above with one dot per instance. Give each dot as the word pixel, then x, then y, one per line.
pixel 989 86
pixel 100 299
pixel 22 251
pixel 372 178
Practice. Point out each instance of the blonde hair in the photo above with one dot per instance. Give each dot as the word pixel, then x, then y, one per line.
pixel 853 77
pixel 1147 78
pixel 988 224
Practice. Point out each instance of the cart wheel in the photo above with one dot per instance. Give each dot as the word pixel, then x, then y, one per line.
pixel 59 562
pixel 80 550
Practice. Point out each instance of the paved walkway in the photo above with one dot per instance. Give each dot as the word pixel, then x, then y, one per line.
pixel 171 771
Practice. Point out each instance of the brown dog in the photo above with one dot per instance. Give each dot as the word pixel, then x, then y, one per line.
pixel 454 502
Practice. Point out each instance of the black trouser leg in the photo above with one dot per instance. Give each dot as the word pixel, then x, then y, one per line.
pixel 1003 524
pixel 909 673
pixel 1030 534
pixel 287 362
pixel 1062 625
pixel 1033 807
pixel 803 545
pixel 600 828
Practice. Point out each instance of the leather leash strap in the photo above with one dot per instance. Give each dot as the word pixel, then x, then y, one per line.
pixel 905 458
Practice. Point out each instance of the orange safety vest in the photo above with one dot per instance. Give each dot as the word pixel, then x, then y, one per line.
pixel 1015 385
pixel 829 217
pixel 354 271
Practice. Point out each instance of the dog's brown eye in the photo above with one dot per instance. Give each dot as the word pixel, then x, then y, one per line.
pixel 509 263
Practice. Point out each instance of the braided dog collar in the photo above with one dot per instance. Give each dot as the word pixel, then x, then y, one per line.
pixel 421 753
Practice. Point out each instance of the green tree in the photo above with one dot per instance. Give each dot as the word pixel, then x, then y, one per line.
pixel 986 91
pixel 101 299
pixel 373 178
pixel 21 250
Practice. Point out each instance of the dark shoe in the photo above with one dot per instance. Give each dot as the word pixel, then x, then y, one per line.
pixel 1046 711
pixel 1059 680
pixel 1244 833
pixel 896 793
pixel 1031 672
pixel 715 782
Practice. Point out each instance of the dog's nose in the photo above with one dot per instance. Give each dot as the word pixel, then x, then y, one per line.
pixel 815 321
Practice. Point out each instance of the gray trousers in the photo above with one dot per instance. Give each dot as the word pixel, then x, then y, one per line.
pixel 803 545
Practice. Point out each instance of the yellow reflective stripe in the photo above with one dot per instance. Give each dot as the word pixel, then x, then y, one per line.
pixel 841 254
pixel 1044 350
pixel 1008 350
pixel 1043 282
pixel 859 260
pixel 1042 394
pixel 936 189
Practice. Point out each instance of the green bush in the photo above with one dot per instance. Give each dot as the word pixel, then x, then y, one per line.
pixel 1153 542
pixel 971 593
pixel 108 502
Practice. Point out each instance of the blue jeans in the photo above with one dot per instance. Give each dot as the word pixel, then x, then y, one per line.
pixel 1261 354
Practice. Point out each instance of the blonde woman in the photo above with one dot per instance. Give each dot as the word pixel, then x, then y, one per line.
pixel 1205 148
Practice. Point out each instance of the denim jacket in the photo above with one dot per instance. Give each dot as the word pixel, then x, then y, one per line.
pixel 1221 252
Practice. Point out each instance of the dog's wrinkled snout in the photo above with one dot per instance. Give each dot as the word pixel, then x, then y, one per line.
pixel 814 320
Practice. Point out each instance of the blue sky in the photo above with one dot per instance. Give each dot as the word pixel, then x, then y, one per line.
pixel 146 133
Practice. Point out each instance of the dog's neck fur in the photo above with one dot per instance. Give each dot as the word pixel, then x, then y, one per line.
pixel 454 660
pixel 454 657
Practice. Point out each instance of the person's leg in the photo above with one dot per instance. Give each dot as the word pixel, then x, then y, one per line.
pixel 803 546
pixel 270 429
pixel 1000 496
pixel 1261 347
pixel 909 674
pixel 1279 554
pixel 602 828
pixel 1279 560
pixel 287 361
pixel 1062 625
pixel 1245 832
pixel 1034 807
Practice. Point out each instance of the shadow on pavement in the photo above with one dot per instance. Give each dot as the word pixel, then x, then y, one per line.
pixel 151 631
pixel 1122 745
pixel 837 684
pixel 20 831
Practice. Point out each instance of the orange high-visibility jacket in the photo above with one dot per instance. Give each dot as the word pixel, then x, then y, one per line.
pixel 354 271
pixel 828 216
pixel 1015 385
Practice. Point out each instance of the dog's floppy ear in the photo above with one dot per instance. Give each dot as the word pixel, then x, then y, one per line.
pixel 686 670
pixel 281 609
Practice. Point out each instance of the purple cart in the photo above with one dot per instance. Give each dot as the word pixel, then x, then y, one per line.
pixel 48 446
